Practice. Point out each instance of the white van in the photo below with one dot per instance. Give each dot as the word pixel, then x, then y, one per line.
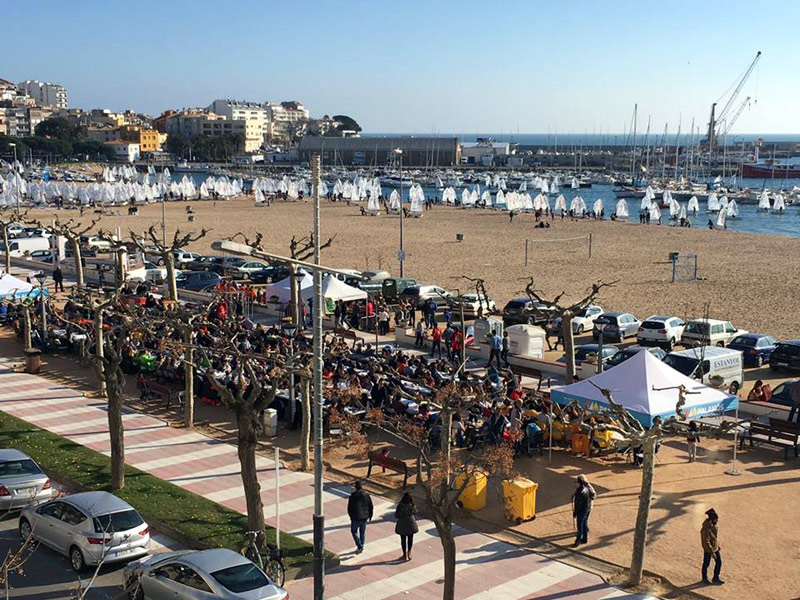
pixel 18 247
pixel 706 362
pixel 708 332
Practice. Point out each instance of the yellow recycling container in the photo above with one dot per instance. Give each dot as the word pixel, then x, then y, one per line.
pixel 520 499
pixel 474 495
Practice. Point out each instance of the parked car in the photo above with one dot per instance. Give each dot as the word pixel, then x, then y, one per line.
pixel 94 242
pixel 421 295
pixel 709 332
pixel 705 362
pixel 183 258
pixel 22 481
pixel 200 263
pixel 225 265
pixel 89 527
pixel 195 281
pixel 270 274
pixel 471 303
pixel 785 355
pixel 247 269
pixel 587 353
pixel 582 321
pixel 522 310
pixel 42 255
pixel 660 331
pixel 626 353
pixel 755 347
pixel 782 394
pixel 615 326
pixel 200 574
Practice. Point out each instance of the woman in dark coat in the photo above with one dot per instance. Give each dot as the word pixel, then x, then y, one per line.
pixel 406 525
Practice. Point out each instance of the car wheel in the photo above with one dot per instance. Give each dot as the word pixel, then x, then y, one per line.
pixel 734 388
pixel 246 276
pixel 720 344
pixel 531 321
pixel 580 329
pixel 76 559
pixel 24 529
pixel 759 361
pixel 671 344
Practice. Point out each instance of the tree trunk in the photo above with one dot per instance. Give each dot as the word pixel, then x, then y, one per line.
pixel 643 516
pixel 569 346
pixel 76 253
pixel 172 285
pixel 444 527
pixel 115 429
pixel 26 324
pixel 7 249
pixel 305 432
pixel 188 373
pixel 295 300
pixel 100 348
pixel 246 447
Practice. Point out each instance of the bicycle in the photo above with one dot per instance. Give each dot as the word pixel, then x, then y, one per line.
pixel 270 560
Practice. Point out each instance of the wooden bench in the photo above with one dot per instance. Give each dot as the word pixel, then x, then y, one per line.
pixel 347 334
pixel 531 372
pixel 387 462
pixel 153 389
pixel 781 434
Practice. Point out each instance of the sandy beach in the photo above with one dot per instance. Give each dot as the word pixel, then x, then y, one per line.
pixel 746 278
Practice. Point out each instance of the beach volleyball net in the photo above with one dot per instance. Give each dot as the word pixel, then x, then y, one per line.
pixel 684 267
pixel 580 245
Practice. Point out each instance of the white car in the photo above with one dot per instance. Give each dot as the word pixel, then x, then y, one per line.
pixel 583 320
pixel 185 257
pixel 97 243
pixel 89 528
pixel 709 332
pixel 660 331
pixel 471 304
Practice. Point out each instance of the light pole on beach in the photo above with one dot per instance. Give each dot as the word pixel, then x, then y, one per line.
pixel 401 255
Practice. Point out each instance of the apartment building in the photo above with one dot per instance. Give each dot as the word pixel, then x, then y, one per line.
pixel 45 94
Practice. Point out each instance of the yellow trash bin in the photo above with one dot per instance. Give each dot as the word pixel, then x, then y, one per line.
pixel 474 495
pixel 520 499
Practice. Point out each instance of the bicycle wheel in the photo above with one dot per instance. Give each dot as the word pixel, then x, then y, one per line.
pixel 251 553
pixel 276 571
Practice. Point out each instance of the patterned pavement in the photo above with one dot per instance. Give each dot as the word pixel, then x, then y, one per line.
pixel 487 569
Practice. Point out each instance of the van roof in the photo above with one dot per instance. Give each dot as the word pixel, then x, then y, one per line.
pixel 706 352
pixel 709 321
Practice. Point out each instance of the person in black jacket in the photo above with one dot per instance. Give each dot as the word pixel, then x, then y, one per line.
pixel 359 509
pixel 406 527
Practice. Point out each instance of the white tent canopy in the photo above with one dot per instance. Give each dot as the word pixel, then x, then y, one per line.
pixel 637 384
pixel 10 287
pixel 282 290
pixel 335 289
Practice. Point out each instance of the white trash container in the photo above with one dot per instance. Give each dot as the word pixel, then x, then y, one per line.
pixel 269 419
pixel 526 340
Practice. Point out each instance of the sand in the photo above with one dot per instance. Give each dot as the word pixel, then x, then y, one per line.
pixel 747 278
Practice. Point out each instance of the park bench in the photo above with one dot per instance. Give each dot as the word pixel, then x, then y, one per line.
pixel 153 389
pixel 781 434
pixel 387 462
pixel 532 372
pixel 347 334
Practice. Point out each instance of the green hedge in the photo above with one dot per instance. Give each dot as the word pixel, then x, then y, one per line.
pixel 198 520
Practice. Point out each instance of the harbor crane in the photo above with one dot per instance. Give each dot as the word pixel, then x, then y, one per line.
pixel 725 127
pixel 715 121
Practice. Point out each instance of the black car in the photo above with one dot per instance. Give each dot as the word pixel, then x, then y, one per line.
pixel 785 355
pixel 196 281
pixel 524 310
pixel 782 394
pixel 201 264
pixel 630 351
pixel 225 265
pixel 270 274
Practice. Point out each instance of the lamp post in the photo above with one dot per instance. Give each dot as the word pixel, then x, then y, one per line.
pixel 402 254
pixel 41 277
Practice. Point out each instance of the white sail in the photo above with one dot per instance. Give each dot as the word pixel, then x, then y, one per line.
pixel 763 201
pixel 577 206
pixel 779 205
pixel 500 198
pixel 486 198
pixel 259 200
pixel 674 207
pixel 646 201
pixel 597 208
pixel 394 201
pixel 655 212
pixel 575 185
pixel 712 205
pixel 682 212
pixel 694 205
pixel 439 184
pixel 561 205
pixel 723 213
pixel 622 209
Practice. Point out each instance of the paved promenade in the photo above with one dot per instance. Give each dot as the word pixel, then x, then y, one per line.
pixel 487 568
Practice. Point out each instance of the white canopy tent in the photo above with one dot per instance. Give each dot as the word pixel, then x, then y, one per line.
pixel 638 385
pixel 11 287
pixel 335 289
pixel 282 290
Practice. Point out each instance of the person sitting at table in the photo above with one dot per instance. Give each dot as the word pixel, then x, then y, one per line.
pixel 497 426
pixel 761 392
pixel 457 429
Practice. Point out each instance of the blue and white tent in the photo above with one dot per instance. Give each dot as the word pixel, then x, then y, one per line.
pixel 11 287
pixel 635 384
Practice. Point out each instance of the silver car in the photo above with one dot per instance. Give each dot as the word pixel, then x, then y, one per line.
pixel 199 575
pixel 22 481
pixel 89 528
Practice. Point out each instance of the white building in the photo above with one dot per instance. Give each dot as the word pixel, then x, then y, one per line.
pixel 126 151
pixel 45 94
pixel 257 116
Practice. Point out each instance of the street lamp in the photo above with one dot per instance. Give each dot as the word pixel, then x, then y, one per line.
pixel 402 254
pixel 41 277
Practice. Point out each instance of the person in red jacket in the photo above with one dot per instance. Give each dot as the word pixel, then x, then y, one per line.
pixel 436 340
pixel 456 343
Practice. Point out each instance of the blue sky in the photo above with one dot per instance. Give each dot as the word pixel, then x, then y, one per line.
pixel 508 66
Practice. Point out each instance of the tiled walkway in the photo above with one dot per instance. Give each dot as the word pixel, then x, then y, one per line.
pixel 487 569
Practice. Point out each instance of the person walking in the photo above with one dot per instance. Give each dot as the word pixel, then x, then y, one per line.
pixel 406 527
pixel 383 321
pixel 447 336
pixel 431 314
pixel 58 279
pixel 582 501
pixel 419 342
pixel 495 346
pixel 504 349
pixel 359 509
pixel 436 340
pixel 693 440
pixel 709 538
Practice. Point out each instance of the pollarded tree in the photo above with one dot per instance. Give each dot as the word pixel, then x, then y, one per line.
pixel 153 244
pixel 9 216
pixel 72 230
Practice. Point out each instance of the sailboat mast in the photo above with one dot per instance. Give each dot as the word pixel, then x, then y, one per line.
pixel 677 147
pixel 664 151
pixel 690 154
pixel 647 141
pixel 633 153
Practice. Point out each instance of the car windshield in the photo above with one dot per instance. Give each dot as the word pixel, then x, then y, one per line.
pixel 682 364
pixel 516 304
pixel 119 521
pixel 619 357
pixel 788 349
pixel 17 468
pixel 653 325
pixel 241 578
pixel 744 341
pixel 582 353
pixel 700 327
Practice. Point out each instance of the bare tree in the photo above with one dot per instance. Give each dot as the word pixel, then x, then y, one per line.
pixel 444 474
pixel 554 308
pixel 72 230
pixel 166 252
pixel 480 291
pixel 9 216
